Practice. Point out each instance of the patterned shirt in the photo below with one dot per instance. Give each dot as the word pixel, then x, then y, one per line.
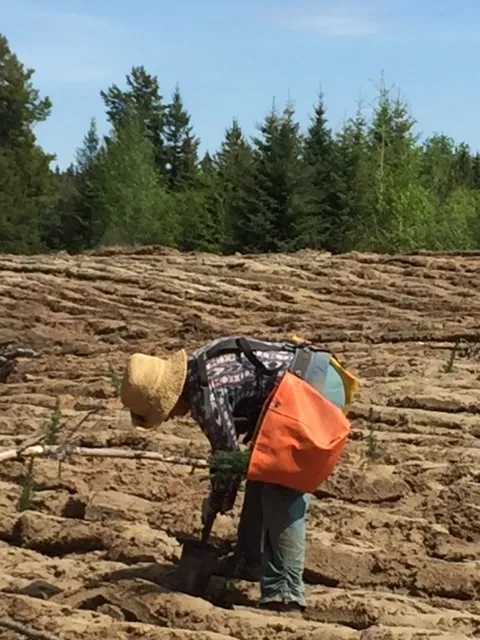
pixel 235 397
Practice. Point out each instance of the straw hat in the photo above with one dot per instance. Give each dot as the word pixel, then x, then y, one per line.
pixel 152 386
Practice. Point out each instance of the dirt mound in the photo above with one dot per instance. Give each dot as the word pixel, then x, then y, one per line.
pixel 394 535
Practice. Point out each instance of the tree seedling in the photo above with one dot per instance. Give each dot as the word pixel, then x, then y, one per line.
pixel 373 449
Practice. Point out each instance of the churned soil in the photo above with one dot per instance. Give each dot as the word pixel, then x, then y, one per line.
pixel 393 535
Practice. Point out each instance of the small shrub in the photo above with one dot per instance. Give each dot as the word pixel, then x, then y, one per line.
pixel 115 379
pixel 54 426
pixel 26 496
pixel 372 451
pixel 448 367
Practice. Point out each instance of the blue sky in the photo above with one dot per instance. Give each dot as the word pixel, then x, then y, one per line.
pixel 232 59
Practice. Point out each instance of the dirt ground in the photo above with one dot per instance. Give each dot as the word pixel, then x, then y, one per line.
pixel 393 536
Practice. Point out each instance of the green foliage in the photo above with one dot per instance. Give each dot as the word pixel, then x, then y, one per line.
pixel 355 179
pixel 181 146
pixel 448 366
pixel 82 221
pixel 25 501
pixel 131 207
pixel 200 214
pixel 28 192
pixel 28 196
pixel 458 221
pixel 228 464
pixel 319 225
pixel 115 379
pixel 279 186
pixel 20 104
pixel 142 97
pixel 369 186
pixel 237 189
pixel 54 426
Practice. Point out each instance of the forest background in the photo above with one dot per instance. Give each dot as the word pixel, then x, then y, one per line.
pixel 371 185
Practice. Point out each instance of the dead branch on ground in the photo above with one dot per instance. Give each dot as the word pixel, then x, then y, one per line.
pixel 28 632
pixel 62 452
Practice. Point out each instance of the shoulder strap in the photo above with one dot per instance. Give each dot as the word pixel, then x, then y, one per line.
pixel 235 345
pixel 248 346
pixel 245 346
pixel 240 345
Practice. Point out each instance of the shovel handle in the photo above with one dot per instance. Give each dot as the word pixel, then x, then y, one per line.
pixel 207 527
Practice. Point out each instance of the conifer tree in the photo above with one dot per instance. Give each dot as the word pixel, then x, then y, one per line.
pixel 132 208
pixel 475 174
pixel 143 97
pixel 355 181
pixel 78 202
pixel 200 212
pixel 321 226
pixel 437 166
pixel 83 228
pixel 370 186
pixel 462 166
pixel 59 235
pixel 402 213
pixel 457 222
pixel 234 163
pixel 280 182
pixel 181 146
pixel 28 190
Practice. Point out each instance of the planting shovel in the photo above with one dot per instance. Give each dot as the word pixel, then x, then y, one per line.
pixel 198 562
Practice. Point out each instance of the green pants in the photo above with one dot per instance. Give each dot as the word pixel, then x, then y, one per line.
pixel 272 535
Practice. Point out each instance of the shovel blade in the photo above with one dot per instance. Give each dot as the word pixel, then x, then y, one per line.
pixel 197 565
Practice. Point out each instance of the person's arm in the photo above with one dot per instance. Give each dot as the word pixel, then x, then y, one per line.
pixel 223 437
pixel 211 410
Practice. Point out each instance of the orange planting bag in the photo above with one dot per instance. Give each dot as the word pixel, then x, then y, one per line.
pixel 300 437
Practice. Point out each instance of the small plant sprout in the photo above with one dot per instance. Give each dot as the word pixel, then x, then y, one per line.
pixel 115 379
pixel 26 496
pixel 54 426
pixel 448 367
pixel 373 449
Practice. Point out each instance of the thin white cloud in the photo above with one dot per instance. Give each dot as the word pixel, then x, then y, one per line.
pixel 335 22
pixel 64 47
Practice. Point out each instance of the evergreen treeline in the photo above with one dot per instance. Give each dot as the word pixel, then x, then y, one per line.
pixel 371 186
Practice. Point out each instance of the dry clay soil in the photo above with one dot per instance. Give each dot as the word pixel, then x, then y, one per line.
pixel 393 535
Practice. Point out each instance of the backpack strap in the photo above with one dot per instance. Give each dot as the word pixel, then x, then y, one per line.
pixel 300 362
pixel 245 347
pixel 240 345
pixel 248 346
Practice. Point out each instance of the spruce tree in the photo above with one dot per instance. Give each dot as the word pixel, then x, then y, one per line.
pixel 462 166
pixel 132 208
pixel 78 202
pixel 28 190
pixel 238 189
pixel 83 225
pixel 281 187
pixel 402 214
pixel 475 174
pixel 355 177
pixel 200 212
pixel 437 167
pixel 457 222
pixel 321 225
pixel 60 234
pixel 143 97
pixel 181 146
